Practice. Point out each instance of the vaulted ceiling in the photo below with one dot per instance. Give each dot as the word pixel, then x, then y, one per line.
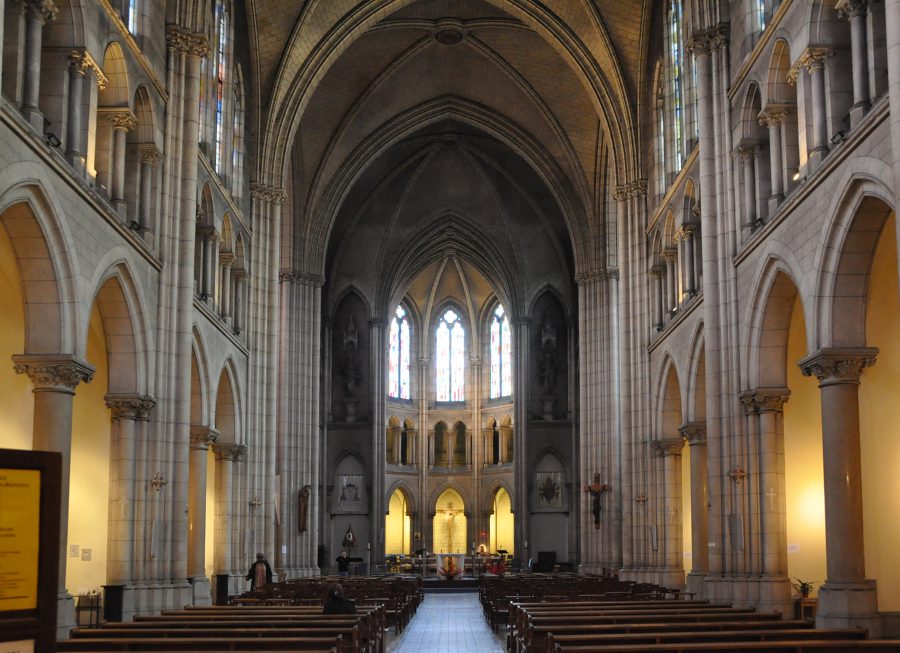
pixel 522 99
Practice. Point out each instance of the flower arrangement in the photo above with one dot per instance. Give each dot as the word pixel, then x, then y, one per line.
pixel 450 570
pixel 803 587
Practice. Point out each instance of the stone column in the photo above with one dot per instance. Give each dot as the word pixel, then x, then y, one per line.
pixel 202 438
pixel 127 411
pixel 669 255
pixel 856 10
pixel 669 449
pixel 656 274
pixel 690 282
pixel 79 62
pixel 746 154
pixel 37 13
pixel 207 243
pixel 149 156
pixel 695 435
pixel 846 599
pixel 227 260
pixel 122 123
pixel 240 294
pixel 814 60
pixel 226 455
pixel 55 378
pixel 766 407
pixel 773 117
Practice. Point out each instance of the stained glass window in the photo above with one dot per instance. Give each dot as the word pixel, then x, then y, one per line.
pixel 398 355
pixel 450 350
pixel 675 65
pixel 761 14
pixel 501 367
pixel 221 67
pixel 132 16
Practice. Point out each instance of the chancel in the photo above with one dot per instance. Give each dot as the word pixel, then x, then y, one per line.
pixel 598 287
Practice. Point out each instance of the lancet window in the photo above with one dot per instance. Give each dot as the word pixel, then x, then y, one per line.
pixel 676 65
pixel 221 68
pixel 501 366
pixel 398 363
pixel 450 355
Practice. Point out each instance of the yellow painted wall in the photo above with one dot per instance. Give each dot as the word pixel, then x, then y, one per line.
pixel 208 561
pixel 879 403
pixel 449 524
pixel 502 523
pixel 396 526
pixel 686 505
pixel 16 400
pixel 89 480
pixel 804 485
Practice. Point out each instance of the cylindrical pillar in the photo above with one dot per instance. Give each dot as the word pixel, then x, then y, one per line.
pixel 226 455
pixel 669 257
pixel 202 438
pixel 656 274
pixel 846 597
pixel 690 256
pixel 814 59
pixel 773 118
pixel 55 379
pixel 37 13
pixel 695 434
pixel 149 157
pixel 669 449
pixel 747 156
pixel 856 12
pixel 227 260
pixel 122 124
pixel 74 112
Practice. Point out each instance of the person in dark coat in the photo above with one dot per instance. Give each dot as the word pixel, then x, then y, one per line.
pixel 343 563
pixel 336 602
pixel 260 573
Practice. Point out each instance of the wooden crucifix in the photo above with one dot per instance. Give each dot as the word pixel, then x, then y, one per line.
pixel 596 489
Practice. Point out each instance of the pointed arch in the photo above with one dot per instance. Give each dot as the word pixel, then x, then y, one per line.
pixel 200 382
pixel 695 398
pixel 670 409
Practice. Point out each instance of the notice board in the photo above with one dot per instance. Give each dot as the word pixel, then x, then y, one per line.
pixel 29 549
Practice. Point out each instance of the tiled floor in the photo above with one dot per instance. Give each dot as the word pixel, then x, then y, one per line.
pixel 447 623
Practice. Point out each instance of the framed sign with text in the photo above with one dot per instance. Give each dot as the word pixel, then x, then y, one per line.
pixel 29 549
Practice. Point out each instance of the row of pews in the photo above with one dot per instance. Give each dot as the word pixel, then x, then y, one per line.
pixel 278 620
pixel 620 623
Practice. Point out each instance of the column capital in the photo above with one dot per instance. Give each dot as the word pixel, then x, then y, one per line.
pixel 266 193
pixel 700 44
pixel 656 270
pixel 191 43
pixel 229 451
pixel 203 437
pixel 719 36
pixel 851 8
pixel 130 406
pixel 838 365
pixel 59 372
pixel 667 446
pixel 620 194
pixel 119 117
pixel 764 400
pixel 42 10
pixel 774 114
pixel 81 61
pixel 694 433
pixel 148 153
pixel 669 254
pixel 745 150
pixel 814 57
pixel 227 259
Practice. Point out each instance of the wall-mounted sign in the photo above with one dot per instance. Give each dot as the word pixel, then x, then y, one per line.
pixel 20 515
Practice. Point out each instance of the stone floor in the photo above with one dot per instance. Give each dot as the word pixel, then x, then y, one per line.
pixel 447 623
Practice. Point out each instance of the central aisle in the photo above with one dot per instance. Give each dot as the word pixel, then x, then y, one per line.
pixel 448 623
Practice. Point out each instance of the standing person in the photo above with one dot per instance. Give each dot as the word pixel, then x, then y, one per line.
pixel 336 602
pixel 343 563
pixel 260 573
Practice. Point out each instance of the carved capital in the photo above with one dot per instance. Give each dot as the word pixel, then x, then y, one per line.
pixel 833 366
pixel 694 433
pixel 119 118
pixel 203 437
pixel 773 114
pixel 814 58
pixel 81 61
pixel 656 271
pixel 745 151
pixel 148 153
pixel 669 254
pixel 620 194
pixel 192 44
pixel 227 259
pixel 764 400
pixel 229 451
pixel 700 44
pixel 40 10
pixel 130 406
pixel 59 373
pixel 719 37
pixel 266 193
pixel 851 8
pixel 667 446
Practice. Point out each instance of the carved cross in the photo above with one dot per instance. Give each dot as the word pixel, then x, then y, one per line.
pixel 157 482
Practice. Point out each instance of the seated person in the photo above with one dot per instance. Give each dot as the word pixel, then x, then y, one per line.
pixel 336 602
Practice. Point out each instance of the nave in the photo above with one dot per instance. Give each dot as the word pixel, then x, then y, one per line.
pixel 447 623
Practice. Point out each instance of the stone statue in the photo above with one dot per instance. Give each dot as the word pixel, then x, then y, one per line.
pixel 547 363
pixel 596 490
pixel 303 508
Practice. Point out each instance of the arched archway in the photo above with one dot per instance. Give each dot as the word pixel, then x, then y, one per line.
pixel 397 524
pixel 449 526
pixel 502 533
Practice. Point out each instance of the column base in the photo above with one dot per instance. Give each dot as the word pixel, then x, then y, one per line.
pixel 670 578
pixel 849 605
pixel 36 119
pixel 857 112
pixel 816 157
pixel 773 593
pixel 200 591
pixel 65 614
pixel 774 202
pixel 695 584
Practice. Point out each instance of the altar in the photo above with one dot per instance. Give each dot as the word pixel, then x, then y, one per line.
pixel 450 565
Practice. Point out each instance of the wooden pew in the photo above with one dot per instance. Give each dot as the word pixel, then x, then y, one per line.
pixel 788 646
pixel 166 644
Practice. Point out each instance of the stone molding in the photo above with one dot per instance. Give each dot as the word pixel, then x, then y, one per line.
pixel 851 8
pixel 764 400
pixel 148 153
pixel 229 451
pixel 302 278
pixel 838 365
pixel 130 406
pixel 191 43
pixel 81 61
pixel 591 276
pixel 774 114
pixel 42 10
pixel 667 446
pixel 54 371
pixel 812 57
pixel 203 437
pixel 694 433
pixel 266 193
pixel 119 117
pixel 630 190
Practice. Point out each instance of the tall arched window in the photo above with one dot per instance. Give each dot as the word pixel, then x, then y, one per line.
pixel 132 19
pixel 501 365
pixel 221 68
pixel 451 349
pixel 676 63
pixel 237 138
pixel 398 363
